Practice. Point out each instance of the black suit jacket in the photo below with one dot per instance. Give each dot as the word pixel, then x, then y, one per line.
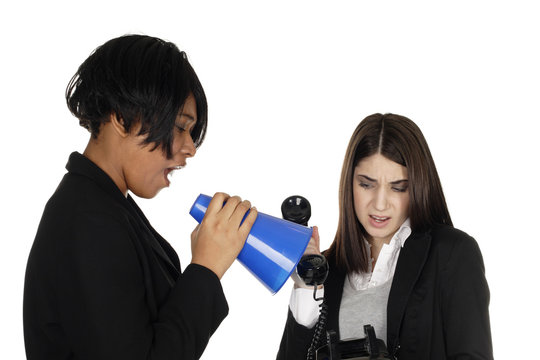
pixel 101 283
pixel 437 307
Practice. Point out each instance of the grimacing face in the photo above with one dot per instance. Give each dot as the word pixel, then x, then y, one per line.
pixel 147 172
pixel 381 196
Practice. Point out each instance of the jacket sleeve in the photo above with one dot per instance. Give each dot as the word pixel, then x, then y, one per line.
pixel 295 341
pixel 102 301
pixel 465 302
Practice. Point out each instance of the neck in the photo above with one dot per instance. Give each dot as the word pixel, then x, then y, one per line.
pixel 99 151
pixel 375 251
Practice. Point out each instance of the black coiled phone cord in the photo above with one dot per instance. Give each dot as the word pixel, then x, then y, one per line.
pixel 320 326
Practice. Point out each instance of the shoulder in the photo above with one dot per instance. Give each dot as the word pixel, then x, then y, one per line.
pixel 78 195
pixel 454 245
pixel 78 209
pixel 448 233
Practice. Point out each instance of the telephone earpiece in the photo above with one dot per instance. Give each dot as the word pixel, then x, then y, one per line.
pixel 313 269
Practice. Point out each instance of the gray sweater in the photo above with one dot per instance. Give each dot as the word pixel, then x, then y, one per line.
pixel 362 307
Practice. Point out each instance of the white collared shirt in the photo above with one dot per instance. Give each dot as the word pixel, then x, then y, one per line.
pixel 386 262
pixel 306 310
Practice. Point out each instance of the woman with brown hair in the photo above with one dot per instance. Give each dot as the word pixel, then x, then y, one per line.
pixel 396 262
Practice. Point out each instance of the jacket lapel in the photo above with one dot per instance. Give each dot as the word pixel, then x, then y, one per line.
pixel 153 238
pixel 333 292
pixel 409 266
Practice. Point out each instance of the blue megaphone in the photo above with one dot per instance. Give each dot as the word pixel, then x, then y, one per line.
pixel 272 249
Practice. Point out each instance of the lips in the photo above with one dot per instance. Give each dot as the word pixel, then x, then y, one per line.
pixel 378 221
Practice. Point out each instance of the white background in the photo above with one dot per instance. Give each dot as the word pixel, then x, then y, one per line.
pixel 287 82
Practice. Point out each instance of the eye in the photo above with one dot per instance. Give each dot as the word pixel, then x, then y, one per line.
pixel 400 189
pixel 180 128
pixel 365 185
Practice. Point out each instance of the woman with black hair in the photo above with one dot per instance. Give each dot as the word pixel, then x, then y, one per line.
pixel 101 283
pixel 396 262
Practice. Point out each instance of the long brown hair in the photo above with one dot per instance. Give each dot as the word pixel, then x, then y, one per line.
pixel 398 139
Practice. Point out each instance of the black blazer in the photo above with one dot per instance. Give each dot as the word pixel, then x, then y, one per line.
pixel 437 307
pixel 101 283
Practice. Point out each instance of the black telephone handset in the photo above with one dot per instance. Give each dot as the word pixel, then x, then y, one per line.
pixel 313 268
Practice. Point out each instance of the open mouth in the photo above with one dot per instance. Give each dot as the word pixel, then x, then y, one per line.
pixel 170 171
pixel 379 219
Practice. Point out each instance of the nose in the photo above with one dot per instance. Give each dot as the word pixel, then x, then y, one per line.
pixel 381 199
pixel 188 148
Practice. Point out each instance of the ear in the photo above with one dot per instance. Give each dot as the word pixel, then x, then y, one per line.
pixel 118 125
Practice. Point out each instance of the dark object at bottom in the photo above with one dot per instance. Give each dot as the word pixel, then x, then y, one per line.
pixel 356 349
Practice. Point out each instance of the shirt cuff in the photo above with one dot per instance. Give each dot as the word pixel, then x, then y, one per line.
pixel 304 308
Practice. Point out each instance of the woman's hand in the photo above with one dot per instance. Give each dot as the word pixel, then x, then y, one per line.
pixel 314 243
pixel 218 239
pixel 313 248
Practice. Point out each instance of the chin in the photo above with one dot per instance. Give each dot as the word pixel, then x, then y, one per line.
pixel 386 233
pixel 148 194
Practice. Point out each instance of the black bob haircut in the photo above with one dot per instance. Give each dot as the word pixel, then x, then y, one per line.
pixel 138 78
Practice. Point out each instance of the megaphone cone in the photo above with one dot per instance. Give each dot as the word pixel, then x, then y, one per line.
pixel 272 249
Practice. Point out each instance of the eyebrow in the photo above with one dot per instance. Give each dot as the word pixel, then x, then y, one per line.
pixel 397 182
pixel 188 116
